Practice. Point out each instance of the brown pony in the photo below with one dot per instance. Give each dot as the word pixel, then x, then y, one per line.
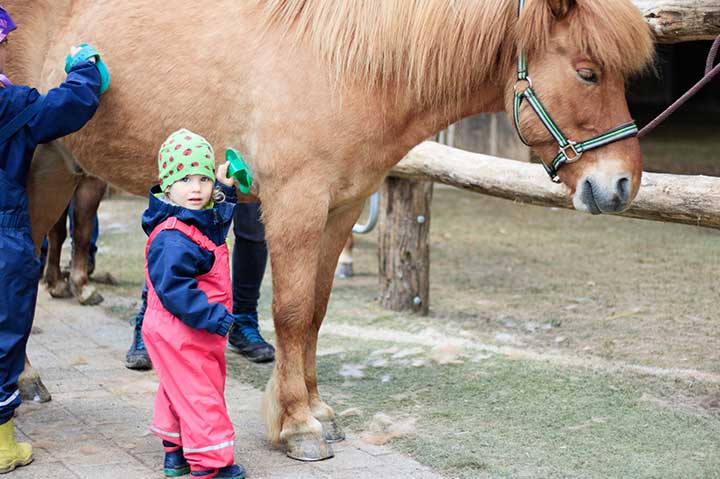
pixel 323 97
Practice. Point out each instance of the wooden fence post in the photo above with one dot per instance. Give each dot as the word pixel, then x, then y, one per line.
pixel 403 245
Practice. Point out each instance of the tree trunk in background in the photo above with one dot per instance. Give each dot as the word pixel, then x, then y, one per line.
pixel 403 245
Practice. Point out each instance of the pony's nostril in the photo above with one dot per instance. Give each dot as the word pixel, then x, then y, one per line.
pixel 588 198
pixel 623 189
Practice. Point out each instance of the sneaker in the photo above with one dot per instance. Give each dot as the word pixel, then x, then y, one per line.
pixel 175 463
pixel 137 356
pixel 235 471
pixel 245 338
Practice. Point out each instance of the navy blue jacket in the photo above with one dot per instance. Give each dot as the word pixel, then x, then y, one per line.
pixel 66 109
pixel 175 261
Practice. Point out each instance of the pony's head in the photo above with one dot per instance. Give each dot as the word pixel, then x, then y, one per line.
pixel 579 53
pixel 449 56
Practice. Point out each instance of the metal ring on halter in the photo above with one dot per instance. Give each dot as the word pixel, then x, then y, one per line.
pixel 576 154
pixel 526 80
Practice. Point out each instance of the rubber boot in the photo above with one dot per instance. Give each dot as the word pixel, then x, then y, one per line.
pixel 175 464
pixel 236 471
pixel 12 453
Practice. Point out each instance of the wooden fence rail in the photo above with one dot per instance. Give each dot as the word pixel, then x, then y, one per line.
pixel 676 21
pixel 693 200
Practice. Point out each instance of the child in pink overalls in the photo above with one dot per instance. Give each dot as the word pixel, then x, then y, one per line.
pixel 188 307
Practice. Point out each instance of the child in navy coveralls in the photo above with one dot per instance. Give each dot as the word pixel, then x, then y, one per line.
pixel 27 119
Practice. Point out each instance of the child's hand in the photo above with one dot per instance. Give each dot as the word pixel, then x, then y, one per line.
pixel 222 176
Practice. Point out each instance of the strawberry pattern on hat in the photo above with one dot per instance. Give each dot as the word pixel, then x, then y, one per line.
pixel 184 153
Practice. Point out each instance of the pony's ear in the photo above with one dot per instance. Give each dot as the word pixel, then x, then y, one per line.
pixel 560 8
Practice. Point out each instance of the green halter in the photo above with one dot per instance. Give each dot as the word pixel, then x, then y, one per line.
pixel 569 151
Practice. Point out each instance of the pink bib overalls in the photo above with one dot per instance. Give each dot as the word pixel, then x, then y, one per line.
pixel 190 407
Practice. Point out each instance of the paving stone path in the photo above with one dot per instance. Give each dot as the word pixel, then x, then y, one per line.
pixel 96 425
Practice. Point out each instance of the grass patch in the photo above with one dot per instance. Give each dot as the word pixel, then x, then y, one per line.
pixel 506 418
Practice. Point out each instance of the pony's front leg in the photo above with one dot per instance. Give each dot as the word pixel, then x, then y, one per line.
pixel 294 228
pixel 339 225
pixel 56 284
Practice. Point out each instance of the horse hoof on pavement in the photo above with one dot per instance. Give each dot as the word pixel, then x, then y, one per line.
pixel 32 388
pixel 308 448
pixel 106 278
pixel 344 270
pixel 59 290
pixel 88 295
pixel 332 432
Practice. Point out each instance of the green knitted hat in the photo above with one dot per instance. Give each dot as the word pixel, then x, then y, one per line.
pixel 185 153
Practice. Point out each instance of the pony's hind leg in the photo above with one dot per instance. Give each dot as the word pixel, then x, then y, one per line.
pixel 53 279
pixel 294 222
pixel 51 181
pixel 339 225
pixel 31 386
pixel 86 201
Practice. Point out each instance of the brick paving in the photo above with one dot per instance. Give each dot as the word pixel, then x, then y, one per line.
pixel 96 424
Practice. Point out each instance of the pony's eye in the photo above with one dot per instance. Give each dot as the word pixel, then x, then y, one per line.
pixel 587 75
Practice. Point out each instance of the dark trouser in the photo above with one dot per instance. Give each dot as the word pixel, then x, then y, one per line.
pixel 249 257
pixel 19 275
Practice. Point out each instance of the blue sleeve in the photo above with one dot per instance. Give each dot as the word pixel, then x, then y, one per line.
pixel 173 264
pixel 231 193
pixel 69 106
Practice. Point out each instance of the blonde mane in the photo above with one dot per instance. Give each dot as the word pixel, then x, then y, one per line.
pixel 444 49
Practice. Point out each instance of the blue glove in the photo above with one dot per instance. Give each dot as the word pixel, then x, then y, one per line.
pixel 87 52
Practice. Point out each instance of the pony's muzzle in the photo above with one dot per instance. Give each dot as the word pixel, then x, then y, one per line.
pixel 597 196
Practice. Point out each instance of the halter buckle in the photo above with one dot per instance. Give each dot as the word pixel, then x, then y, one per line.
pixel 576 155
pixel 527 81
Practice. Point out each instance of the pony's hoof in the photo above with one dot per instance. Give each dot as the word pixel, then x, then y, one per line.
pixel 88 296
pixel 59 290
pixel 106 278
pixel 32 388
pixel 332 432
pixel 309 448
pixel 344 270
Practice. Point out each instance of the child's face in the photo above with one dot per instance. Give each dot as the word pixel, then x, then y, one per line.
pixel 192 192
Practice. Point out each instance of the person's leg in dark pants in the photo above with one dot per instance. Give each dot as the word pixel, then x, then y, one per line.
pixel 137 356
pixel 248 267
